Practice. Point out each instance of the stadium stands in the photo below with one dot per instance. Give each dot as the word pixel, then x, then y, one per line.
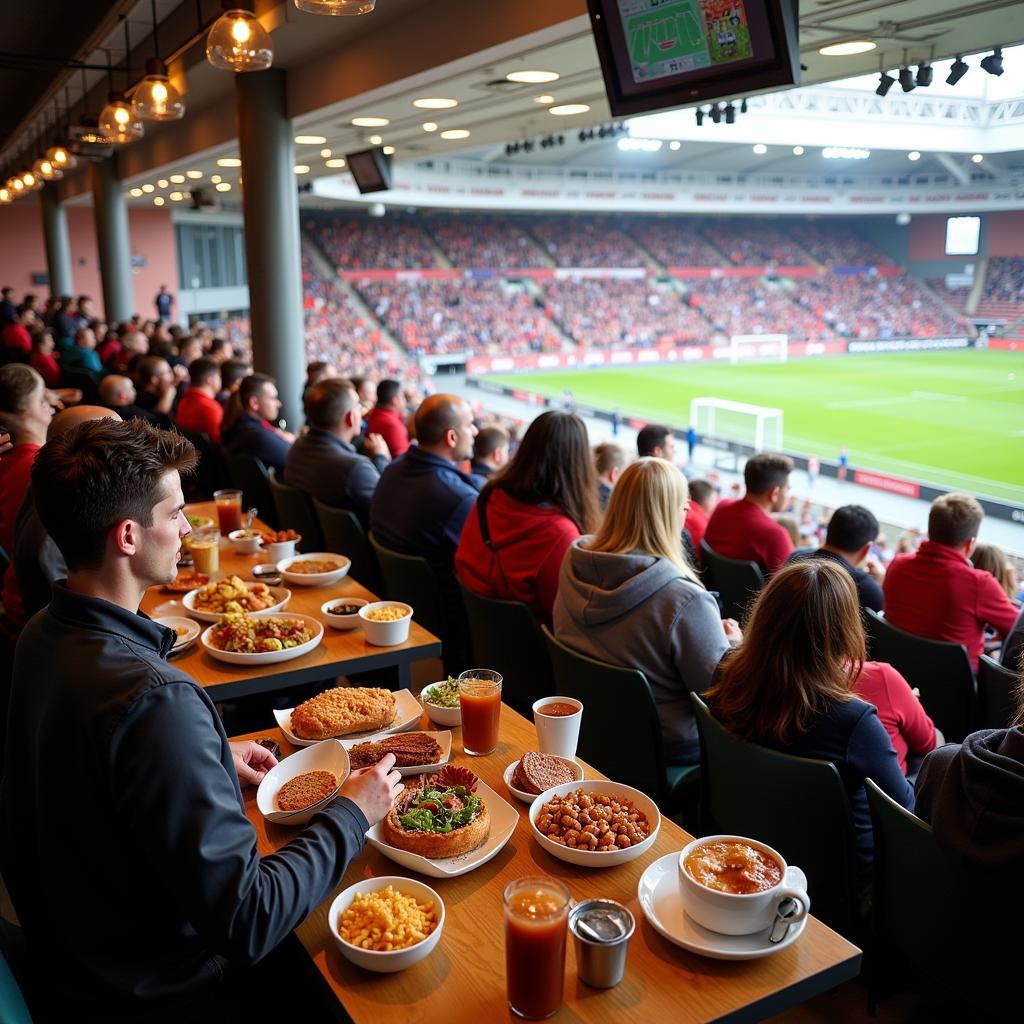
pixel 747 305
pixel 753 242
pixel 486 241
pixel 588 241
pixel 362 243
pixel 1003 297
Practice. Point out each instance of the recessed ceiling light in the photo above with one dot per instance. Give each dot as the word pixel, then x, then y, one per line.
pixel 798 151
pixel 532 77
pixel 567 109
pixel 147 188
pixel 760 149
pixel 375 140
pixel 977 158
pixel 223 186
pixel 158 201
pixel 848 49
pixel 310 140
pixel 429 126
pixel 371 122
pixel 389 150
pixel 176 197
pixel 194 174
pixel 215 178
pixel 162 183
pixel 335 162
pixel 674 145
pixel 913 155
pixel 229 161
pixel 455 133
pixel 435 103
pixel 177 178
pixel 325 153
pixel 136 192
pixel 545 99
pixel 302 168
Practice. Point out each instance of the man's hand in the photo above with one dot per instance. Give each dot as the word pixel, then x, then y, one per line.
pixel 252 761
pixel 285 435
pixel 733 633
pixel 374 790
pixel 374 444
pixel 165 402
pixel 5 443
pixel 180 373
pixel 874 568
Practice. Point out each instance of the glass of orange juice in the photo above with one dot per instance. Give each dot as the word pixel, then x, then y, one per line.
pixel 205 547
pixel 480 701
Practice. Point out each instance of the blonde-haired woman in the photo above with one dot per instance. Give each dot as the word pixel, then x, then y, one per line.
pixel 628 596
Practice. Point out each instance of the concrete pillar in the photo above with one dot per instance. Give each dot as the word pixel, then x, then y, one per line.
pixel 58 247
pixel 270 206
pixel 111 213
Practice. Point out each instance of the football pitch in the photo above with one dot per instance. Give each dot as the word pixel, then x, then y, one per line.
pixel 952 419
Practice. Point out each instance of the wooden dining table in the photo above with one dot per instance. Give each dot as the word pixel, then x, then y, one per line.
pixel 339 653
pixel 463 980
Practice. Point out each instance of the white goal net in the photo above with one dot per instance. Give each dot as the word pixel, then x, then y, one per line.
pixel 754 425
pixel 758 346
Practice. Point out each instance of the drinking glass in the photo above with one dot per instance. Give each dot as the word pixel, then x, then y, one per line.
pixel 536 917
pixel 229 510
pixel 480 701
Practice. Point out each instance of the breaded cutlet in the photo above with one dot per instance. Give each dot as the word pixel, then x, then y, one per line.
pixel 343 710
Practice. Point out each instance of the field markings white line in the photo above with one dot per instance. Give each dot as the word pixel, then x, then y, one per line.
pixel 865 403
pixel 937 396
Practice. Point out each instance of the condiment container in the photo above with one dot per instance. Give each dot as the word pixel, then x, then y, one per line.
pixel 602 930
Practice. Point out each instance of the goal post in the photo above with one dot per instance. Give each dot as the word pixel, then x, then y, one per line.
pixel 758 426
pixel 758 346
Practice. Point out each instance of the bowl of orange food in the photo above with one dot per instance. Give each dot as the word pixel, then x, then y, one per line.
pixel 318 569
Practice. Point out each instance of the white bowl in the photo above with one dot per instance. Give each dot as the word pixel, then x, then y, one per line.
pixel 395 960
pixel 279 594
pixel 386 634
pixel 314 579
pixel 245 545
pixel 267 657
pixel 528 798
pixel 279 550
pixel 185 639
pixel 325 756
pixel 595 859
pixel 440 716
pixel 343 622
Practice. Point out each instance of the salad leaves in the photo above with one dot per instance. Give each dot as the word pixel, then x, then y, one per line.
pixel 440 810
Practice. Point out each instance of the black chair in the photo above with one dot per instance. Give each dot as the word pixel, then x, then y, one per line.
pixel 343 533
pixel 212 472
pixel 409 578
pixel 84 381
pixel 505 636
pixel 736 582
pixel 997 703
pixel 249 475
pixel 620 733
pixel 12 1003
pixel 941 671
pixel 797 805
pixel 295 510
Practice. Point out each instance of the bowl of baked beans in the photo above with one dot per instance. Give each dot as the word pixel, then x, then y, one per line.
pixel 595 824
pixel 319 569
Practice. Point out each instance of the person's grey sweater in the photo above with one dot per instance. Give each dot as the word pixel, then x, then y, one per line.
pixel 642 612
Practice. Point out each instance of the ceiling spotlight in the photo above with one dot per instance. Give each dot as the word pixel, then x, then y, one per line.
pixel 907 83
pixel 215 178
pixel 848 48
pixel 568 109
pixel 993 63
pixel 309 140
pixel 730 114
pixel 375 140
pixel 371 122
pixel 158 201
pixel 178 179
pixel 147 188
pixel 302 168
pixel 223 186
pixel 532 77
pixel 885 83
pixel 389 150
pixel 335 161
pixel 195 175
pixel 914 155
pixel 924 75
pixel 699 114
pixel 546 99
pixel 760 149
pixel 435 103
pixel 455 133
pixel 798 151
pixel 429 126
pixel 977 158
pixel 325 153
pixel 674 145
pixel 229 161
pixel 957 70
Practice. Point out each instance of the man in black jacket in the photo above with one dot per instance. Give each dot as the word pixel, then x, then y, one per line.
pixel 127 851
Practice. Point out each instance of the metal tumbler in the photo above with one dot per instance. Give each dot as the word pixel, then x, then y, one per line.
pixel 601 930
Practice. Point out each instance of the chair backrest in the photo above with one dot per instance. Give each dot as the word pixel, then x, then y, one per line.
pixel 343 533
pixel 12 1004
pixel 409 578
pixel 941 671
pixel 212 472
pixel 505 636
pixel 620 733
pixel 249 475
pixel 997 688
pixel 295 512
pixel 796 805
pixel 737 582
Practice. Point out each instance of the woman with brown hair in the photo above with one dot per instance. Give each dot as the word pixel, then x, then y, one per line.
pixel 529 513
pixel 790 685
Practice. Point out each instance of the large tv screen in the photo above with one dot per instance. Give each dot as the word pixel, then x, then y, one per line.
pixel 657 54
pixel 370 169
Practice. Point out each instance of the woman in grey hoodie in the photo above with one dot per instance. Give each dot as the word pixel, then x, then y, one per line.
pixel 628 596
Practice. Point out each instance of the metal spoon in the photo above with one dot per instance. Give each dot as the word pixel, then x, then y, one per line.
pixel 250 515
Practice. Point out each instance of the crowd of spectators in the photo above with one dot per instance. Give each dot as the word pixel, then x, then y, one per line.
pixel 1004 287
pixel 954 297
pixel 837 245
pixel 371 243
pixel 754 242
pixel 488 241
pixel 676 242
pixel 583 241
pixel 748 305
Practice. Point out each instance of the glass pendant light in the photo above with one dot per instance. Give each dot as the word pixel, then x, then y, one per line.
pixel 5 196
pixel 62 158
pixel 43 168
pixel 336 7
pixel 155 99
pixel 238 42
pixel 117 124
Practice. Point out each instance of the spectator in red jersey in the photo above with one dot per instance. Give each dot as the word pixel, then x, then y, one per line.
pixel 387 417
pixel 526 517
pixel 17 335
pixel 937 593
pixel 703 499
pixel 43 360
pixel 744 529
pixel 199 411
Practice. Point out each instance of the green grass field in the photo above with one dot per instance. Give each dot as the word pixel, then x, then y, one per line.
pixel 953 419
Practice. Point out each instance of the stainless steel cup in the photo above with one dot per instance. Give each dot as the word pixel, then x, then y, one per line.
pixel 601 930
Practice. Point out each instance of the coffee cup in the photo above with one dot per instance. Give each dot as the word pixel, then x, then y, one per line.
pixel 725 905
pixel 558 725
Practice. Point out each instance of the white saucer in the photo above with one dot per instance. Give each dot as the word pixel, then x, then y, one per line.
pixel 660 900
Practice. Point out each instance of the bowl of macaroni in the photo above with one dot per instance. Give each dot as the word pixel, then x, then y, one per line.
pixel 386 623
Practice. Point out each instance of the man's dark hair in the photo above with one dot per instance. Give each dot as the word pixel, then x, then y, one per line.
pixel 436 416
pixel 201 370
pixel 7 291
pixel 327 401
pixel 387 390
pixel 765 471
pixel 700 491
pixel 232 370
pixel 161 349
pixel 219 345
pixel 650 437
pixel 314 369
pixel 148 368
pixel 851 527
pixel 489 440
pixel 252 386
pixel 99 473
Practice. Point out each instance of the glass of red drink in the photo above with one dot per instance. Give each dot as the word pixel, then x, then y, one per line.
pixel 480 701
pixel 229 510
pixel 536 917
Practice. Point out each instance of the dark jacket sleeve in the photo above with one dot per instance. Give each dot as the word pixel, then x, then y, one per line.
pixel 273 450
pixel 930 779
pixel 870 592
pixel 360 486
pixel 871 753
pixel 183 803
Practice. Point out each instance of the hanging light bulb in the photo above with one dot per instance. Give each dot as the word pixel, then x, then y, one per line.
pixel 117 122
pixel 5 196
pixel 155 99
pixel 31 182
pixel 238 42
pixel 45 169
pixel 61 158
pixel 336 7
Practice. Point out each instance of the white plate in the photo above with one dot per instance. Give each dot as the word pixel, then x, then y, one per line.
pixel 279 594
pixel 175 622
pixel 591 858
pixel 314 579
pixel 661 902
pixel 268 657
pixel 327 756
pixel 504 818
pixel 528 798
pixel 444 741
pixel 407 714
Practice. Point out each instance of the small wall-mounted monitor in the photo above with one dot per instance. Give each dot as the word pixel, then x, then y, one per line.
pixel 658 54
pixel 370 169
pixel 962 235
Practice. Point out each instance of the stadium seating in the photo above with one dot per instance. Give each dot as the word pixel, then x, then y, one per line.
pixel 746 305
pixel 749 242
pixel 361 243
pixel 1003 297
pixel 501 243
pixel 588 241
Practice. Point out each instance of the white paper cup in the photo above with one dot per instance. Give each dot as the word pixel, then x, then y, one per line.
pixel 558 734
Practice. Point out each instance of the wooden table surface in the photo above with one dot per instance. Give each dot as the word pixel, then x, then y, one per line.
pixel 463 979
pixel 339 653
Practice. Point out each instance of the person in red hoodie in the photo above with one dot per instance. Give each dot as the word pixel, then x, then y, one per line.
pixel 703 499
pixel 936 592
pixel 387 417
pixel 43 361
pixel 527 515
pixel 199 411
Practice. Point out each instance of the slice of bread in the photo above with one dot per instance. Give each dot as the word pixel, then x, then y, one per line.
pixel 537 772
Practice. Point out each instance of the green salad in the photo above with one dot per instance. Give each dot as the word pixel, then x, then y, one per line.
pixel 443 695
pixel 439 810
